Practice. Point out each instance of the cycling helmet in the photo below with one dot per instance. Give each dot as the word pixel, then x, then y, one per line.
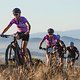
pixel 71 43
pixel 50 31
pixel 58 36
pixel 16 10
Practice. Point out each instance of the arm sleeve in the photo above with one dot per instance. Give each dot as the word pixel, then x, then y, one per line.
pixel 63 44
pixel 77 51
pixel 25 20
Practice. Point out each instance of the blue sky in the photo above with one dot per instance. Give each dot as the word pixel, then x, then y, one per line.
pixel 61 15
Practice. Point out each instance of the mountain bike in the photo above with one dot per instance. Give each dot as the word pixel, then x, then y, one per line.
pixel 69 61
pixel 14 54
pixel 52 55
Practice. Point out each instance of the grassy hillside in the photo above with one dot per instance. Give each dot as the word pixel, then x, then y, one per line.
pixel 38 72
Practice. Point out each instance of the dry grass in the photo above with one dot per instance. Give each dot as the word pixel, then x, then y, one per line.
pixel 38 72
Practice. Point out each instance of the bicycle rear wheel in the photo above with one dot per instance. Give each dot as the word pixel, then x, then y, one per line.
pixel 12 55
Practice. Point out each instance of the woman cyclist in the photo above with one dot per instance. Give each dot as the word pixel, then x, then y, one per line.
pixel 23 27
pixel 50 41
pixel 72 52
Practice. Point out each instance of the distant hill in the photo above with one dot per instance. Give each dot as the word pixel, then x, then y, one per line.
pixel 38 35
pixel 66 40
pixel 70 33
pixel 35 40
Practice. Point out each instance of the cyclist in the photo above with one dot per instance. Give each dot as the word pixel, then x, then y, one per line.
pixel 23 27
pixel 72 53
pixel 50 39
pixel 61 49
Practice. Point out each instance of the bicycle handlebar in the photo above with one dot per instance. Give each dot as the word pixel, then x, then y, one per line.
pixel 43 49
pixel 13 35
pixel 5 36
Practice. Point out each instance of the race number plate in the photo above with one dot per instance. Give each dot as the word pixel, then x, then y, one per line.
pixel 51 50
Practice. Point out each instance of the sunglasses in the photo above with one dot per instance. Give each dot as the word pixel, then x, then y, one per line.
pixel 16 14
pixel 50 34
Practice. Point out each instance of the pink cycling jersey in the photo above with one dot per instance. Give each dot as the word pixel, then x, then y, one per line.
pixel 20 24
pixel 48 41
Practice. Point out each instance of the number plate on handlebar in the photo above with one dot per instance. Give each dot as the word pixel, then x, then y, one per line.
pixel 51 50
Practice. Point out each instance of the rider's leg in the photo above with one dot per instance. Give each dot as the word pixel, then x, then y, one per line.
pixel 25 39
pixel 72 62
pixel 23 48
pixel 47 58
pixel 55 57
pixel 61 59
pixel 67 62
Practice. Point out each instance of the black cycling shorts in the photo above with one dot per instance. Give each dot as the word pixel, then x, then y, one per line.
pixel 71 56
pixel 23 36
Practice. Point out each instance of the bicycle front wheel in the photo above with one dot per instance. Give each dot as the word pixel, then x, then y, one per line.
pixel 11 55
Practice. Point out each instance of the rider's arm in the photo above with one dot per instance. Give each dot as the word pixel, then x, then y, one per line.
pixel 64 48
pixel 77 52
pixel 27 25
pixel 42 41
pixel 63 45
pixel 6 29
pixel 9 25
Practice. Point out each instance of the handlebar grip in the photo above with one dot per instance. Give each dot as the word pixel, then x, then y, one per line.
pixel 42 48
pixel 5 36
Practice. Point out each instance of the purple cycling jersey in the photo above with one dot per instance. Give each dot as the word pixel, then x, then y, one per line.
pixel 20 24
pixel 48 41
